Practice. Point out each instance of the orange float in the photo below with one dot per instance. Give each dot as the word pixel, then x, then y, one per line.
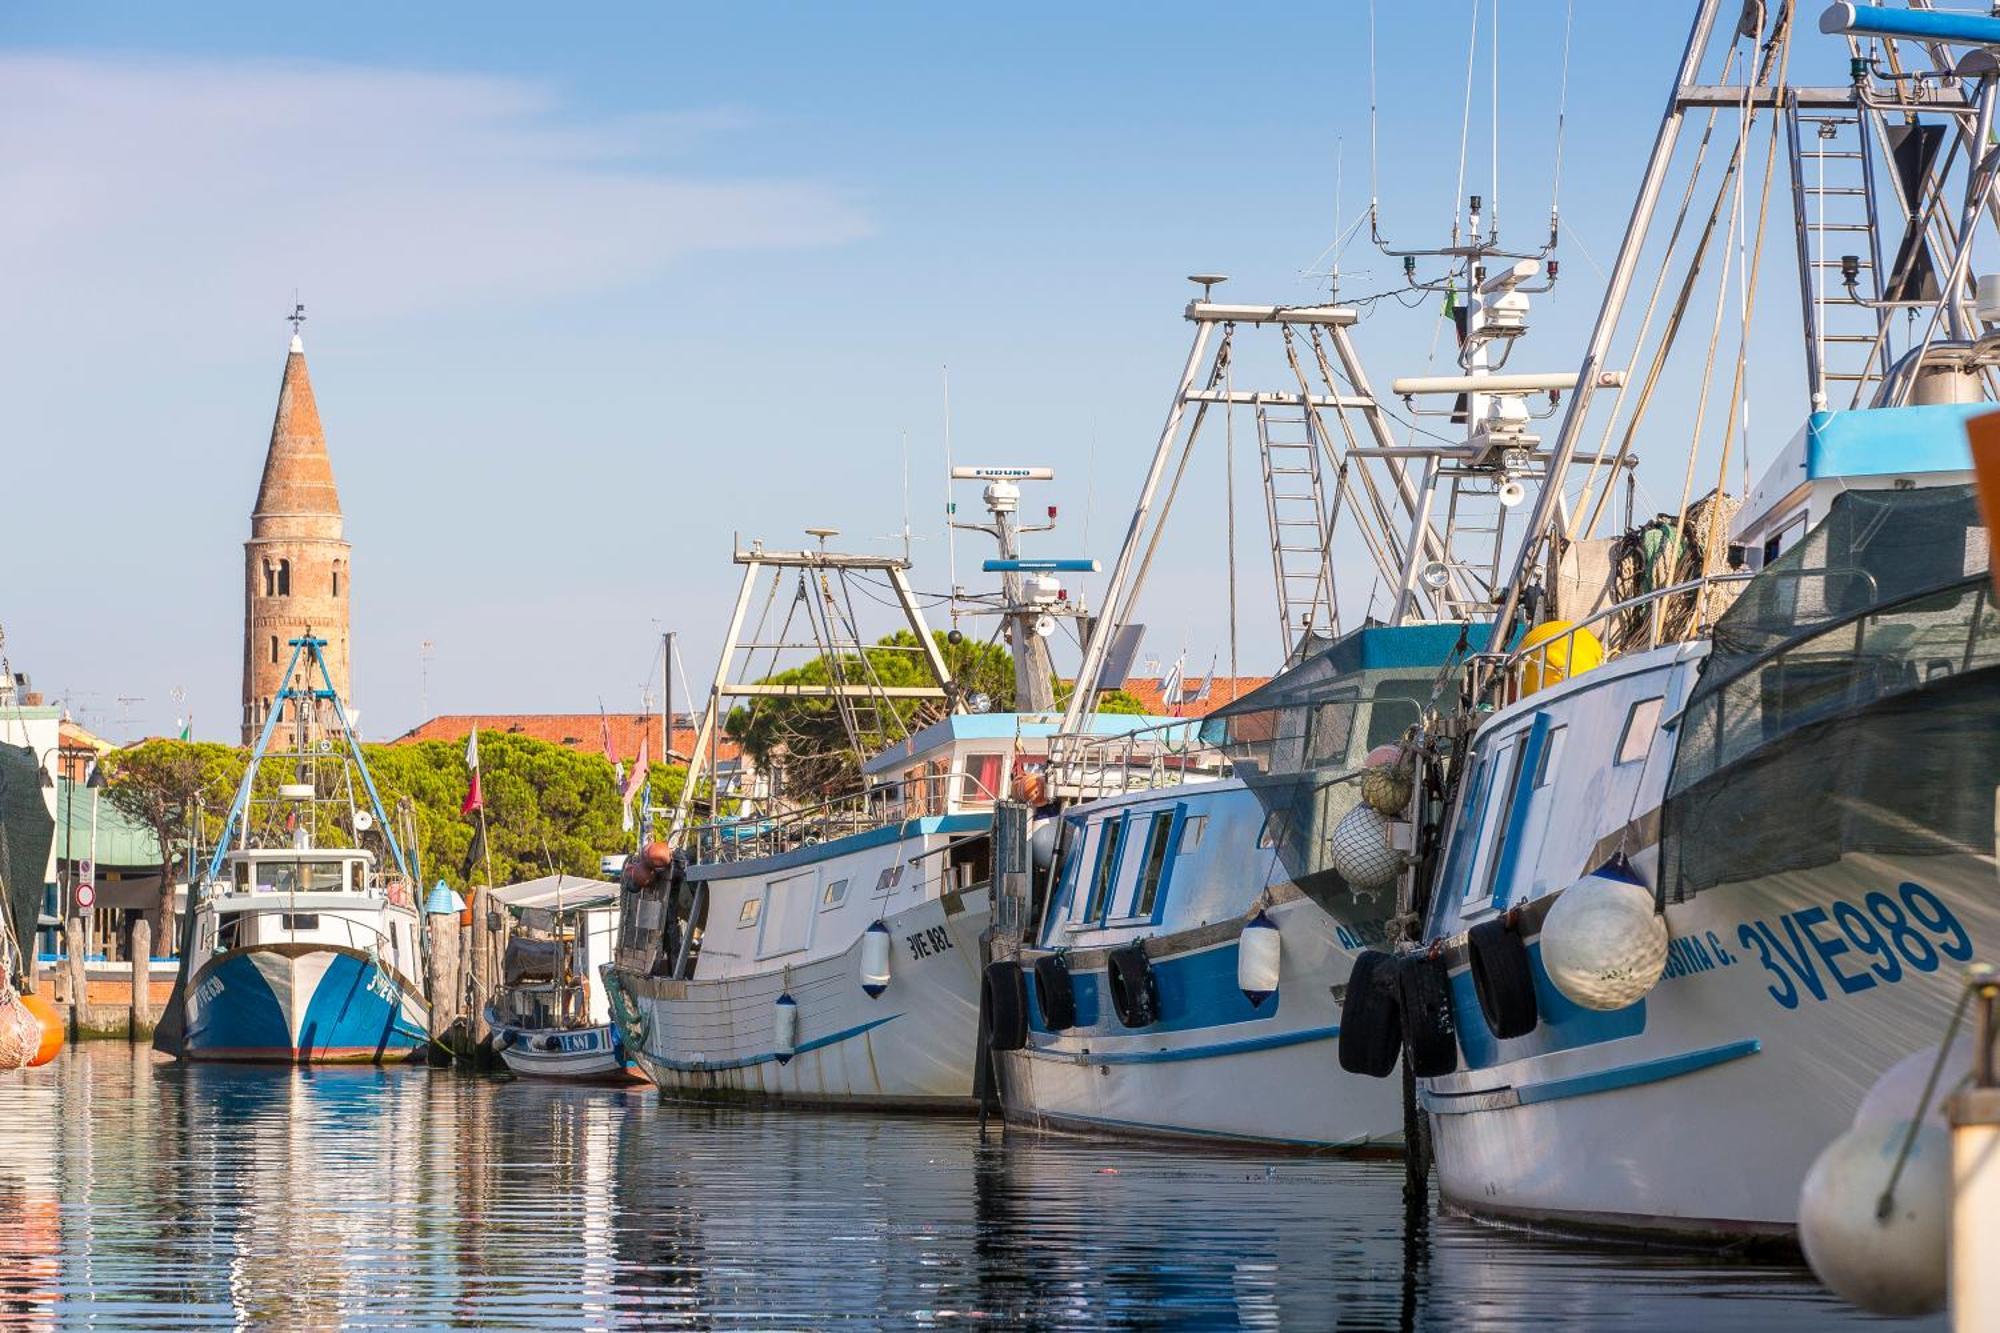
pixel 52 1029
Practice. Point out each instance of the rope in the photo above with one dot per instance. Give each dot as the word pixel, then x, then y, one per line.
pixel 1886 1205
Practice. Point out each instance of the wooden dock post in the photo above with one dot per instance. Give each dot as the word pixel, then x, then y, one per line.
pixel 79 986
pixel 142 980
pixel 445 989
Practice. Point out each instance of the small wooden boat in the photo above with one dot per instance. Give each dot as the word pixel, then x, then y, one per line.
pixel 550 1017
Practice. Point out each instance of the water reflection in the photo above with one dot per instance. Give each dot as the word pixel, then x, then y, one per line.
pixel 142 1195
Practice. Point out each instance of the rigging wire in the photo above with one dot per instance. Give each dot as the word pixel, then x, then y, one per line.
pixel 1229 497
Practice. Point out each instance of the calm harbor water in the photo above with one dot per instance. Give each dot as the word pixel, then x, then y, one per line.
pixel 137 1194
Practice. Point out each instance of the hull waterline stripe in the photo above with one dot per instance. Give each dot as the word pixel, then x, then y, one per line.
pixel 1174 1053
pixel 1583 1085
pixel 1058 1119
pixel 706 1066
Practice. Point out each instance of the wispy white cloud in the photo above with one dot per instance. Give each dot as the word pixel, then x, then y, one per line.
pixel 200 188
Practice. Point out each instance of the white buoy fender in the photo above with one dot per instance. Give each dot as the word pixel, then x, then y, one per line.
pixel 785 1028
pixel 1603 944
pixel 875 959
pixel 1042 843
pixel 1257 952
pixel 1361 851
pixel 1894 1265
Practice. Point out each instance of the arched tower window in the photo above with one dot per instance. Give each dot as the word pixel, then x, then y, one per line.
pixel 270 580
pixel 284 578
pixel 274 648
pixel 336 578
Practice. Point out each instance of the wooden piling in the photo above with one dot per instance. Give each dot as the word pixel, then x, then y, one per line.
pixel 445 988
pixel 79 989
pixel 142 980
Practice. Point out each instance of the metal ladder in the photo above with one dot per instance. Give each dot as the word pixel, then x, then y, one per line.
pixel 1301 525
pixel 1473 540
pixel 1833 211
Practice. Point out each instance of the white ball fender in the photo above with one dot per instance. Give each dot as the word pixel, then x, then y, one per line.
pixel 1603 945
pixel 1257 953
pixel 785 1028
pixel 875 960
pixel 1042 844
pixel 1361 850
pixel 1895 1266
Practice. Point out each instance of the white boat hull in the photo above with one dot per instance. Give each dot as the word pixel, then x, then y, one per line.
pixel 911 1047
pixel 576 1055
pixel 1699 1110
pixel 1215 1068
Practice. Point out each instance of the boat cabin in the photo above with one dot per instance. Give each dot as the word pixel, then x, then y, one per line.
pixel 315 895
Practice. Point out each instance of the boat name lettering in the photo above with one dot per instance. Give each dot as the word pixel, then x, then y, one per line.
pixel 929 941
pixel 380 985
pixel 205 992
pixel 1915 934
pixel 1688 954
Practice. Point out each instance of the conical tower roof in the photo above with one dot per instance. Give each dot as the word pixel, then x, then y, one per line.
pixel 298 475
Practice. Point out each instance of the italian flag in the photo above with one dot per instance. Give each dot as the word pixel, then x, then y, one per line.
pixel 473 800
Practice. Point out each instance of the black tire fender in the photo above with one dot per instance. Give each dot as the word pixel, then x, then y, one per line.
pixel 1503 977
pixel 1003 998
pixel 1135 997
pixel 1430 1036
pixel 1055 992
pixel 1371 1016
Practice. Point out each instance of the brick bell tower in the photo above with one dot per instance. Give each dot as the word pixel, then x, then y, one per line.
pixel 295 565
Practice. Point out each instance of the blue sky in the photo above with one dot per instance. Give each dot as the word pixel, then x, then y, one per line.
pixel 587 295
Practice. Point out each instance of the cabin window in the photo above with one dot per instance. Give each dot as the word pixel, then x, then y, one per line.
pixel 322 877
pixel 980 784
pixel 1330 729
pixel 1499 793
pixel 284 578
pixel 891 876
pixel 1191 831
pixel 1153 869
pixel 1640 726
pixel 835 895
pixel 1104 868
pixel 916 792
pixel 1551 761
pixel 1785 537
pixel 752 909
pixel 1396 708
pixel 299 920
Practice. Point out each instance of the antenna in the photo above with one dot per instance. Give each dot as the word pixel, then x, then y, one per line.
pixel 1207 282
pixel 425 651
pixel 950 507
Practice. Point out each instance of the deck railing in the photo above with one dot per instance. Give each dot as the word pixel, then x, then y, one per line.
pixel 1501 677
pixel 1088 767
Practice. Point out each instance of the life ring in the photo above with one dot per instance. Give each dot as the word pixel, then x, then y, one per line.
pixel 1055 991
pixel 1003 998
pixel 1135 997
pixel 1429 1034
pixel 1502 977
pixel 1371 1016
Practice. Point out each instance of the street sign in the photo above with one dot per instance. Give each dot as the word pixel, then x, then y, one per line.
pixel 86 897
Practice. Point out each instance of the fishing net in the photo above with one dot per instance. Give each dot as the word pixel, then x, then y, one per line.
pixel 1849 702
pixel 26 831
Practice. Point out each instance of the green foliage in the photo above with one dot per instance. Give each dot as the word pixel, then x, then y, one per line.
pixel 807 737
pixel 545 805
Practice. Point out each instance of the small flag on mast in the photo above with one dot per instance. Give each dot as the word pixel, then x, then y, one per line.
pixel 473 800
pixel 628 785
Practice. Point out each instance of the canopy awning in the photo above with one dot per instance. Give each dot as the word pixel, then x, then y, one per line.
pixel 572 893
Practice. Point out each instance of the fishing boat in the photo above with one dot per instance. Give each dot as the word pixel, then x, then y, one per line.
pixel 300 947
pixel 819 943
pixel 1720 831
pixel 550 1018
pixel 1200 891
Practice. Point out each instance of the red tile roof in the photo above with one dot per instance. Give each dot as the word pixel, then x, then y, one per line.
pixel 1197 696
pixel 582 732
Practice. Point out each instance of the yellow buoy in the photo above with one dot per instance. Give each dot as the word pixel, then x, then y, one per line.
pixel 1554 651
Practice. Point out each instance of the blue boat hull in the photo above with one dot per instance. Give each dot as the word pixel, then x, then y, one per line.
pixel 303 1004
